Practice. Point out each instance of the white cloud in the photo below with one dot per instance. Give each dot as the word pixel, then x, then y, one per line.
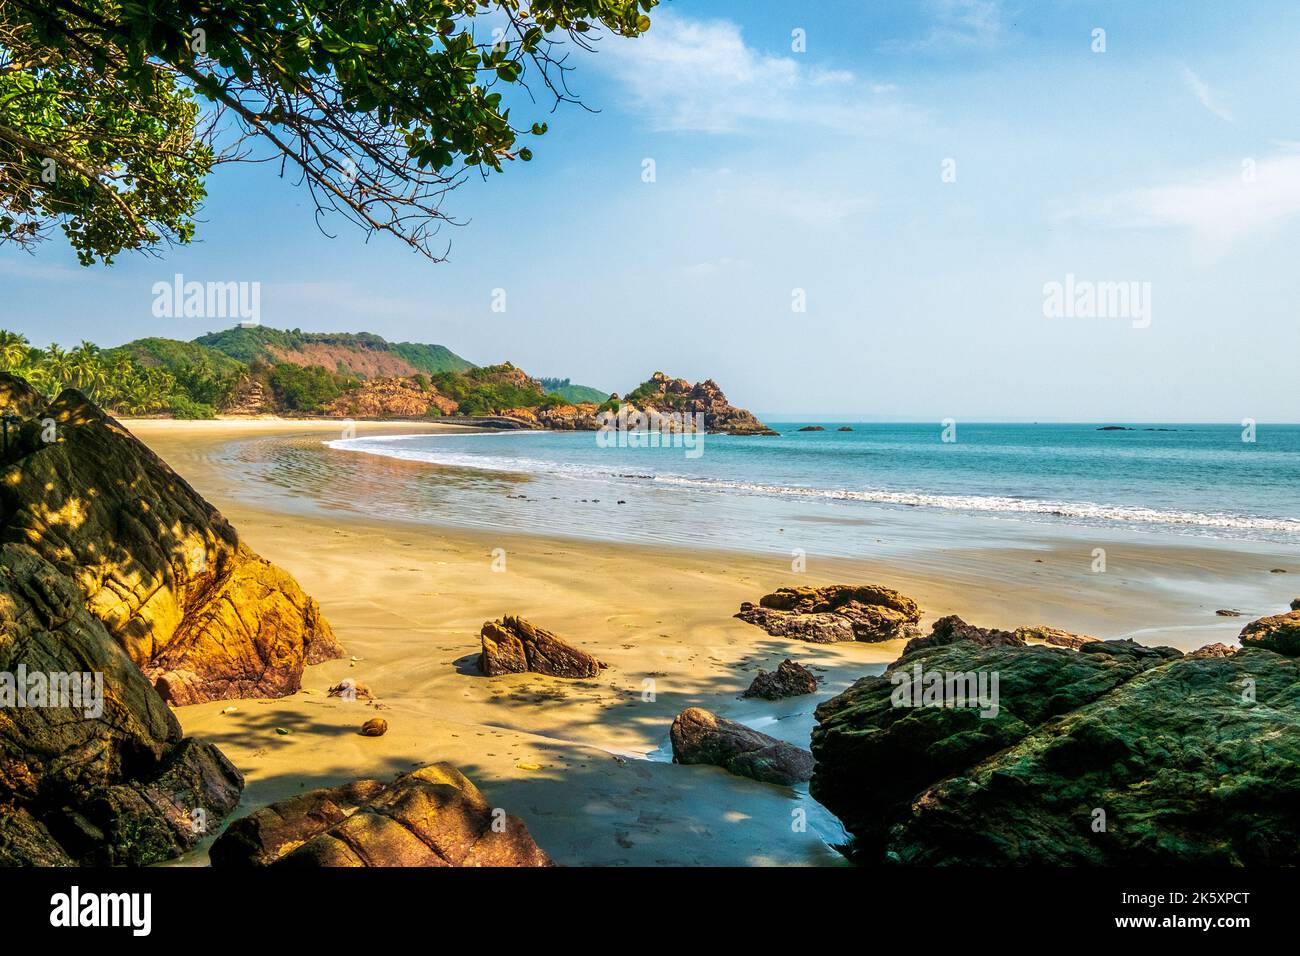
pixel 1207 97
pixel 1218 209
pixel 701 75
pixel 958 25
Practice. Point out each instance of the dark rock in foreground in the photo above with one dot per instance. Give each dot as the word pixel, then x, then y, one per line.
pixel 1118 754
pixel 94 769
pixel 699 736
pixel 1279 633
pixel 433 816
pixel 837 612
pixel 168 577
pixel 788 680
pixel 513 646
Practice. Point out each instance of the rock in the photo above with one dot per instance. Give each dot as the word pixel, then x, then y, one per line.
pixel 433 816
pixel 349 689
pixel 1279 633
pixel 1228 612
pixel 788 680
pixel 374 727
pixel 1214 650
pixel 1114 428
pixel 202 615
pixel 1295 604
pixel 1187 769
pixel 811 428
pixel 699 736
pixel 838 612
pixel 104 778
pixel 512 646
pixel 395 397
pixel 1054 636
pixel 951 629
pixel 1277 571
pixel 844 428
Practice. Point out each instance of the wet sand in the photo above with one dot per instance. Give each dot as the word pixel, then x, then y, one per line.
pixel 586 764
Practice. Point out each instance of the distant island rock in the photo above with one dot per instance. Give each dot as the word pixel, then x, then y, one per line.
pixel 811 428
pixel 844 428
pixel 1115 428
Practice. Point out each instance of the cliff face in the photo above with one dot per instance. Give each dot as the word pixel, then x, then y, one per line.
pixel 391 398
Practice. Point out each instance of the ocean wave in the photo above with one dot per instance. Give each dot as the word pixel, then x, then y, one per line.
pixel 1005 505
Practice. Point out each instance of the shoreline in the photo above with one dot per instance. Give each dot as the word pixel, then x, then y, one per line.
pixel 408 600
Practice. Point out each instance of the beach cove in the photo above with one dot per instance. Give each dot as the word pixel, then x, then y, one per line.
pixel 586 763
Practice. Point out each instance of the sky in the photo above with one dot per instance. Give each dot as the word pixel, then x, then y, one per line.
pixel 858 210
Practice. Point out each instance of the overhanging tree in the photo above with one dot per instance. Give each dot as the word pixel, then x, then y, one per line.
pixel 113 112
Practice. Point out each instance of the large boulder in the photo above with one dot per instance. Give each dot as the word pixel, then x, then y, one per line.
pixel 952 629
pixel 433 816
pixel 513 646
pixel 202 615
pixel 788 680
pixel 699 736
pixel 1279 633
pixel 1115 755
pixel 93 766
pixel 837 612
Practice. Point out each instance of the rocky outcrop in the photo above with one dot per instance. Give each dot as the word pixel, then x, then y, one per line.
pixel 837 612
pixel 433 816
pixel 93 766
pixel 811 428
pixel 1279 633
pixel 951 629
pixel 409 397
pixel 1295 604
pixel 203 616
pixel 788 680
pixel 1118 754
pixel 666 395
pixel 699 736
pixel 513 646
pixel 1054 636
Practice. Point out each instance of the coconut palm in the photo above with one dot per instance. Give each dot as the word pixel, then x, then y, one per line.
pixel 14 350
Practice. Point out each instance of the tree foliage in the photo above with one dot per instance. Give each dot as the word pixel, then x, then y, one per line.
pixel 379 107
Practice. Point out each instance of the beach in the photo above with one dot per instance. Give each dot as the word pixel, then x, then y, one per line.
pixel 586 764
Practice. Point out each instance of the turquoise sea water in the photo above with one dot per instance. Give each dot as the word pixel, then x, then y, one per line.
pixel 841 492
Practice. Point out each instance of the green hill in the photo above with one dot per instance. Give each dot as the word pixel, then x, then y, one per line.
pixel 574 394
pixel 173 354
pixel 354 353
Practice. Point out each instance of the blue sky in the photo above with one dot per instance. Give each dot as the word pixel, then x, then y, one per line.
pixel 1172 158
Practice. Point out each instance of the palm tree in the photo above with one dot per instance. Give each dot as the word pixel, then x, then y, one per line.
pixel 58 365
pixel 14 350
pixel 85 367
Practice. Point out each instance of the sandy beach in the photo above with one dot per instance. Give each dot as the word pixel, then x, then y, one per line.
pixel 586 763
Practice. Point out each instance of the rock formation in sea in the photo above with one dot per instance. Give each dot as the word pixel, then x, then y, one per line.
pixel 788 680
pixel 699 736
pixel 200 613
pixel 511 645
pixel 433 816
pixel 1114 754
pixel 836 612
